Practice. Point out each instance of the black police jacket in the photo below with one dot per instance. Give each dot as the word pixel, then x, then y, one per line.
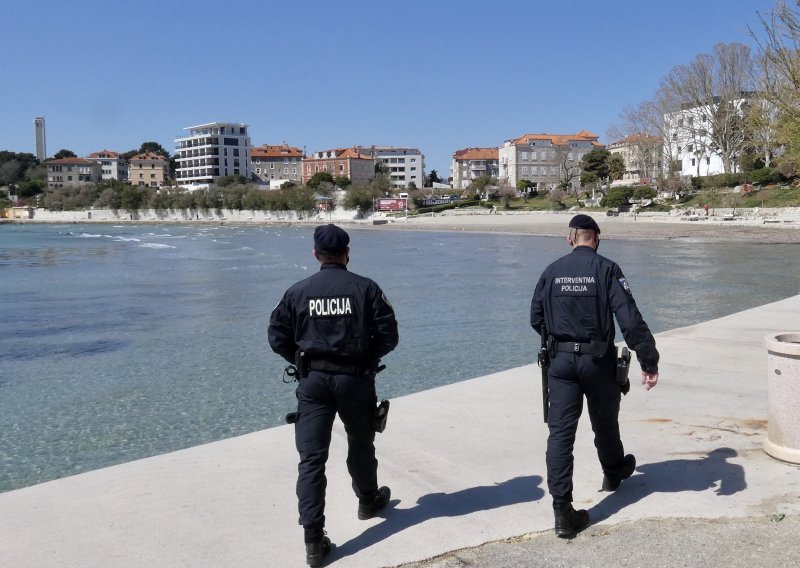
pixel 334 315
pixel 576 297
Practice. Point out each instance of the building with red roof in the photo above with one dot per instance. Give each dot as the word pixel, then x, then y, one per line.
pixel 113 165
pixel 72 172
pixel 358 168
pixel 274 165
pixel 546 160
pixel 471 163
pixel 148 169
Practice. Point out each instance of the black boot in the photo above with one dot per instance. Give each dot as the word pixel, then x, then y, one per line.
pixel 370 507
pixel 569 522
pixel 316 551
pixel 612 481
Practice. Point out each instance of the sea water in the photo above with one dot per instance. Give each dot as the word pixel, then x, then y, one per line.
pixel 121 342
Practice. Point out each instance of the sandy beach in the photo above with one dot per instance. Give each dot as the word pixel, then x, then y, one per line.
pixel 784 228
pixel 768 226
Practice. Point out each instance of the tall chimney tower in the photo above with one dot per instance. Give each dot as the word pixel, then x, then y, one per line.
pixel 41 142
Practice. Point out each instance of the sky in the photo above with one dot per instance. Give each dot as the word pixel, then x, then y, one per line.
pixel 431 74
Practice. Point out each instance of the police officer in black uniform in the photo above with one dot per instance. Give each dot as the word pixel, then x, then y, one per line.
pixel 336 325
pixel 575 302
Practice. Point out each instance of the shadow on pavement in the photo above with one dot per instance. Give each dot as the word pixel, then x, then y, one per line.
pixel 434 505
pixel 675 476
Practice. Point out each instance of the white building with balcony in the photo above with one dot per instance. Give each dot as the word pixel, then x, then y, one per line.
pixel 404 165
pixel 692 136
pixel 113 165
pixel 211 151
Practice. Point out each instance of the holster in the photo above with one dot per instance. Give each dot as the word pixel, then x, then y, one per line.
pixel 301 364
pixel 623 364
pixel 381 416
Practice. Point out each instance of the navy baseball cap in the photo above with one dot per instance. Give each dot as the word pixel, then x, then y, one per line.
pixel 582 221
pixel 330 238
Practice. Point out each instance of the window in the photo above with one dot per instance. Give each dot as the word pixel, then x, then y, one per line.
pixel 258 170
pixel 236 151
pixel 413 160
pixel 285 170
pixel 294 171
pixel 692 161
pixel 708 160
pixel 286 160
pixel 231 141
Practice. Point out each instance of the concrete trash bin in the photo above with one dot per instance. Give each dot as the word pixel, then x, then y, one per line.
pixel 783 396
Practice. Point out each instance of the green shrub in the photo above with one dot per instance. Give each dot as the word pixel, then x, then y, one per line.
pixel 765 176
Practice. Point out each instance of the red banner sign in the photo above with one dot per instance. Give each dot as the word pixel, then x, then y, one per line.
pixel 390 204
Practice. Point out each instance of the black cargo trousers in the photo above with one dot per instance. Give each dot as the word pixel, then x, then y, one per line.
pixel 320 395
pixel 571 376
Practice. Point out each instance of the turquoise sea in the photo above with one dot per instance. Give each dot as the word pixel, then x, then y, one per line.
pixel 121 342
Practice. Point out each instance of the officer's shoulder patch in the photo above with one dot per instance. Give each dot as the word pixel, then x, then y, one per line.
pixel 625 285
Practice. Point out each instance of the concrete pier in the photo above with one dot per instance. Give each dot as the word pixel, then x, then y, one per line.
pixel 465 463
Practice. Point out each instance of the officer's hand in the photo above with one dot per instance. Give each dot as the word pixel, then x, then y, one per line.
pixel 649 380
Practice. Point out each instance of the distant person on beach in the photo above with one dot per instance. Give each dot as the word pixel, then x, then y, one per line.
pixel 574 304
pixel 335 326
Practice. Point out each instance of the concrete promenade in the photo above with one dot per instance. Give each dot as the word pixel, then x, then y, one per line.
pixel 466 466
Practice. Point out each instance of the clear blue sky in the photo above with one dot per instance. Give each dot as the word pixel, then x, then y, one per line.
pixel 430 74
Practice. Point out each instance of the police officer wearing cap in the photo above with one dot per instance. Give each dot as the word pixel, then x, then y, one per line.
pixel 575 303
pixel 336 325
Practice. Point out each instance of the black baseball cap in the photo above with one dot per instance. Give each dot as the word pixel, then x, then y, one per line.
pixel 582 221
pixel 330 239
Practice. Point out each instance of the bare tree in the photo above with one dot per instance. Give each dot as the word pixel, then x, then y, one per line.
pixel 569 167
pixel 655 149
pixel 710 95
pixel 779 62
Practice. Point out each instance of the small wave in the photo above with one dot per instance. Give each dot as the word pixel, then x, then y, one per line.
pixel 90 236
pixel 156 246
pixel 248 248
pixel 127 240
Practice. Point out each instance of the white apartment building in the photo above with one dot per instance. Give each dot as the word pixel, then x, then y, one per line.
pixel 211 151
pixel 471 163
pixel 690 142
pixel 547 160
pixel 404 165
pixel 113 165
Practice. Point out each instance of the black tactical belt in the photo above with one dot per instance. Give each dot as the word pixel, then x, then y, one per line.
pixel 573 347
pixel 333 367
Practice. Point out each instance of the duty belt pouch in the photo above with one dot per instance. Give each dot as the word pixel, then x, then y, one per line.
pixel 381 416
pixel 598 348
pixel 623 364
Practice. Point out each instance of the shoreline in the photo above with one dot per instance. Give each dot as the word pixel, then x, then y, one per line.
pixel 783 230
pixel 614 228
